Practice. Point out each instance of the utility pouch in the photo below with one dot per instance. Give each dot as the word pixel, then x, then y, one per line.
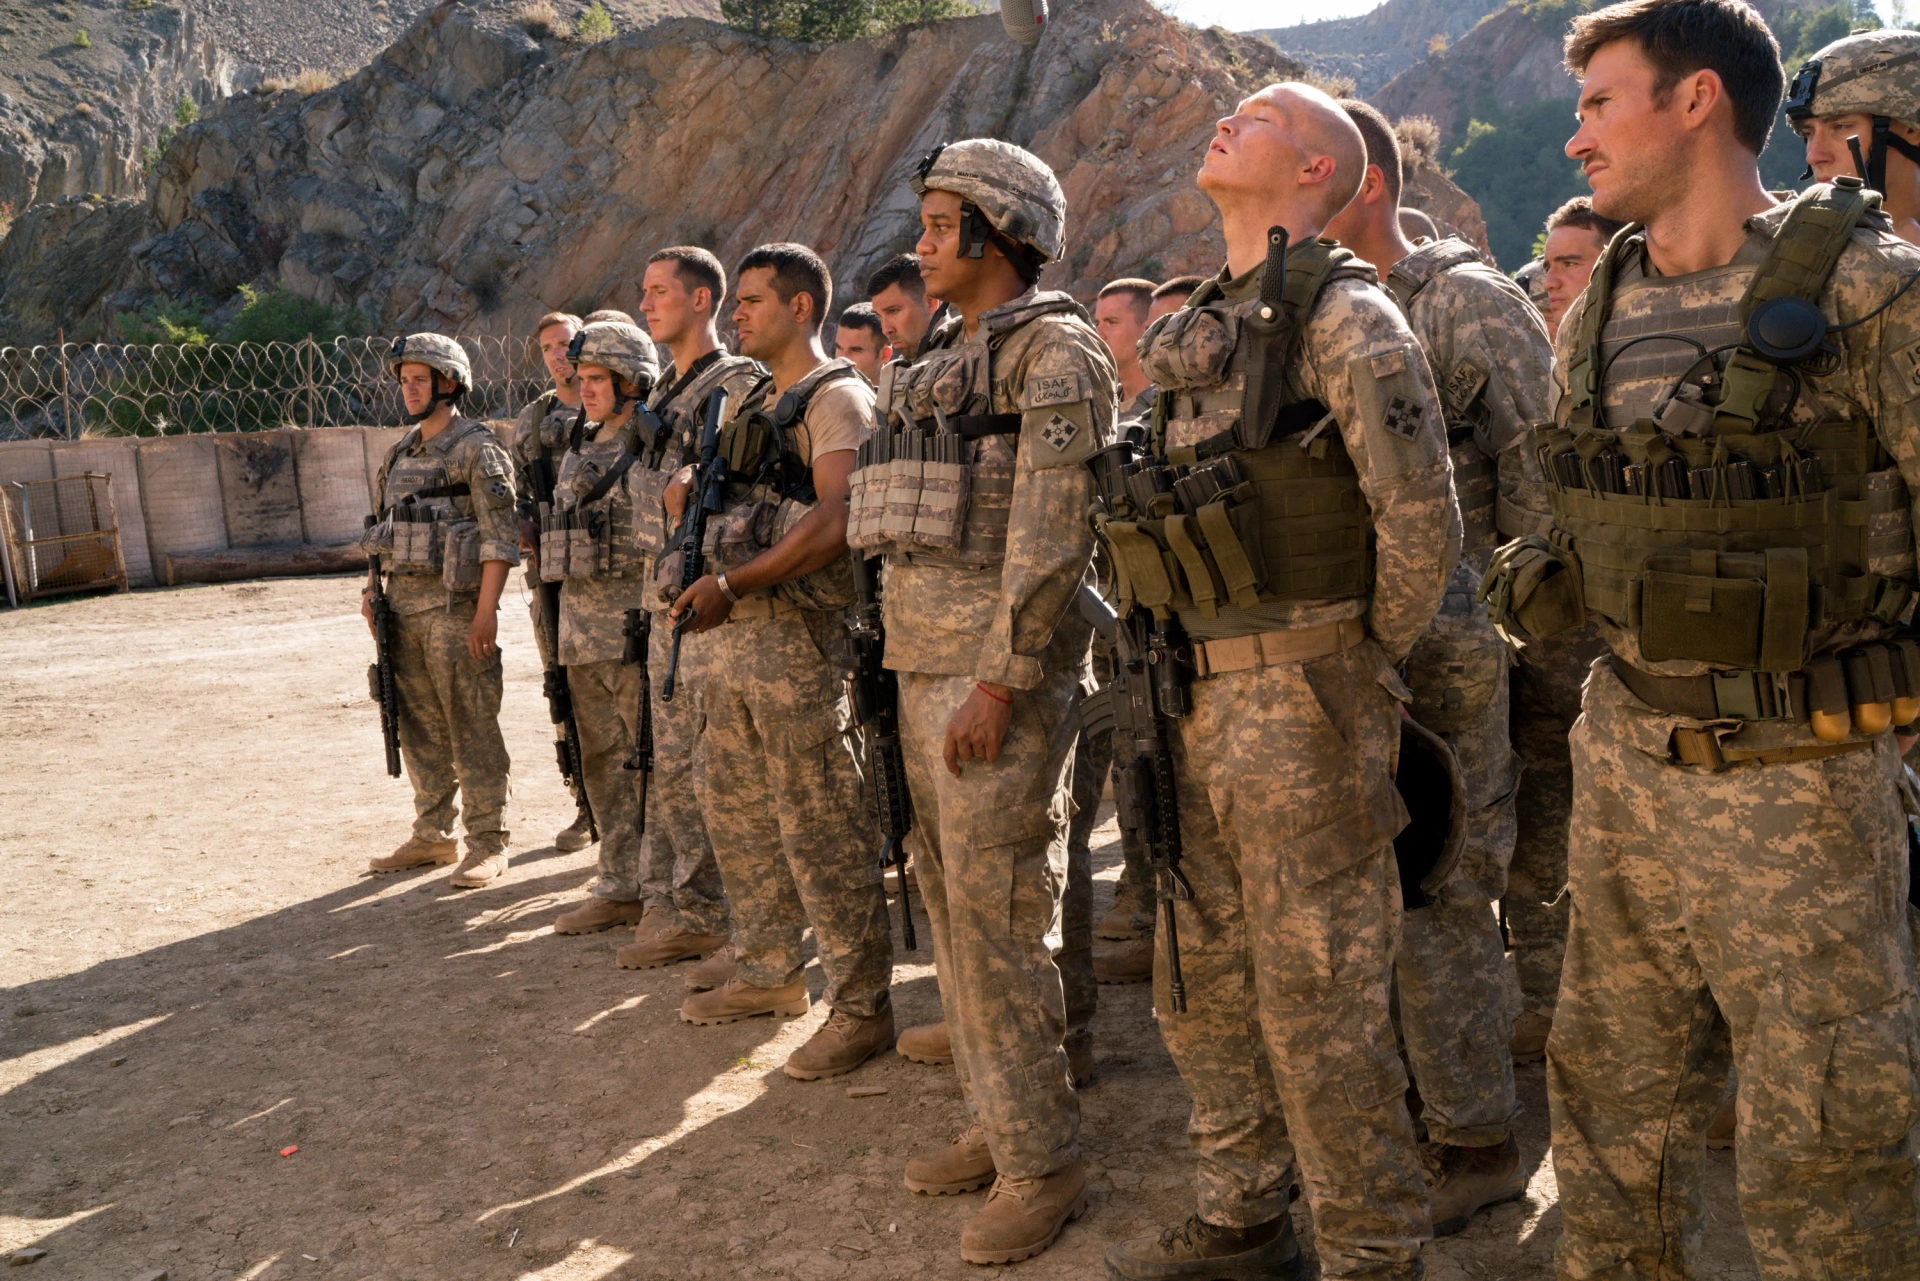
pixel 377 540
pixel 648 489
pixel 553 548
pixel 1143 575
pixel 1532 589
pixel 743 531
pixel 1742 609
pixel 905 476
pixel 461 559
pixel 944 486
pixel 1889 525
pixel 583 549
pixel 1190 348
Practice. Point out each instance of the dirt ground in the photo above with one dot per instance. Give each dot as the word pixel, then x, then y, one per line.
pixel 198 980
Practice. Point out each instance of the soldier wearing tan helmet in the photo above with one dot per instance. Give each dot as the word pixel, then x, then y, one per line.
pixel 1010 393
pixel 1865 90
pixel 447 534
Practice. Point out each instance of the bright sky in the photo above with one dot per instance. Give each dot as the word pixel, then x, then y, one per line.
pixel 1250 15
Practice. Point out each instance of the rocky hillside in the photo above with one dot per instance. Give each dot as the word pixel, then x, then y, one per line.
pixel 473 177
pixel 1381 43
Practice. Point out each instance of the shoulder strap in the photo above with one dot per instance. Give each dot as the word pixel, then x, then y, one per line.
pixel 1808 245
pixel 792 405
pixel 661 399
pixel 1310 269
pixel 1416 271
pixel 606 483
pixel 1583 367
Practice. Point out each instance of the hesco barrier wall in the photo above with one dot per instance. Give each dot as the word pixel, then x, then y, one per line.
pixel 251 493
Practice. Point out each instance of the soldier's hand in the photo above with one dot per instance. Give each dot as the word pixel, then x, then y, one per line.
pixel 674 498
pixel 366 609
pixel 705 596
pixel 978 729
pixel 481 636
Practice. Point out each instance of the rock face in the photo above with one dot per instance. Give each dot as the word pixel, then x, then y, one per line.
pixel 1381 43
pixel 1512 56
pixel 61 258
pixel 473 178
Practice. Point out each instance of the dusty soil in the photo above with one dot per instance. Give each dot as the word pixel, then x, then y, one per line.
pixel 197 978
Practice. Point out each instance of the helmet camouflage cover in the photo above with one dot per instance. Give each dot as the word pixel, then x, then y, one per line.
pixel 623 348
pixel 437 352
pixel 1872 73
pixel 1012 188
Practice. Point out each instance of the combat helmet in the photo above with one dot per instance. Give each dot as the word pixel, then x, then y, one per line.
pixel 1873 73
pixel 1010 189
pixel 623 348
pixel 442 355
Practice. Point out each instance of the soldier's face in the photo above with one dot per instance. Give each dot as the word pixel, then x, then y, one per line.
pixel 596 392
pixel 416 387
pixel 1121 320
pixel 1165 305
pixel 672 310
pixel 1631 140
pixel 943 268
pixel 1828 153
pixel 863 347
pixel 554 340
pixel 765 324
pixel 903 317
pixel 1251 149
pixel 1569 254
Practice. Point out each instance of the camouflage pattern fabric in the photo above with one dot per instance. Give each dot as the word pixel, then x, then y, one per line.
pixel 1092 762
pixel 606 706
pixel 1073 919
pixel 781 795
pixel 544 414
pixel 1783 907
pixel 450 728
pixel 462 452
pixel 1015 189
pixel 1546 702
pixel 680 876
pixel 1288 812
pixel 988 847
pixel 1871 73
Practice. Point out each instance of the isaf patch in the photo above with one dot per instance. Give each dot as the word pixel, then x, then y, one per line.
pixel 1463 387
pixel 1053 389
pixel 1403 418
pixel 1059 432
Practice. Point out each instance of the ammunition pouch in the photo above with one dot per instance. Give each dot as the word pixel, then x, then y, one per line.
pixel 418 543
pixel 460 557
pixel 1532 589
pixel 913 493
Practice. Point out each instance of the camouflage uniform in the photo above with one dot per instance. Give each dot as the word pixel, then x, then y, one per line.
pixel 1773 888
pixel 774 769
pixel 449 700
pixel 1288 808
pixel 542 425
pixel 1493 363
pixel 681 876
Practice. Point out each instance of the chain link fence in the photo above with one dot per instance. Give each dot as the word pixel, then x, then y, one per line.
pixel 71 390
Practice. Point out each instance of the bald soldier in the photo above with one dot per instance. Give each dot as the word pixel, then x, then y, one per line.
pixel 1284 761
pixel 1489 353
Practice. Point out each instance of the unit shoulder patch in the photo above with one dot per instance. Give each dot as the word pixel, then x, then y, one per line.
pixel 1055 389
pixel 1402 418
pixel 1059 432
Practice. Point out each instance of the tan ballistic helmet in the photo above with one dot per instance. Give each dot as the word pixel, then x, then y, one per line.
pixel 437 352
pixel 1874 73
pixel 625 349
pixel 1012 188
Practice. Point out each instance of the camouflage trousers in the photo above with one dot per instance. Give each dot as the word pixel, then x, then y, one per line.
pixel 536 613
pixel 1451 967
pixel 988 848
pixel 1775 896
pixel 1288 813
pixel 1546 701
pixel 781 796
pixel 679 873
pixel 450 728
pixel 606 706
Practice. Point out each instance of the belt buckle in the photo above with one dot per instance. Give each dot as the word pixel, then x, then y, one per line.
pixel 1739 696
pixel 1697 747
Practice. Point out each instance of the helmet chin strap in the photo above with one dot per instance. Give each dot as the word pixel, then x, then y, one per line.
pixel 973 231
pixel 1872 165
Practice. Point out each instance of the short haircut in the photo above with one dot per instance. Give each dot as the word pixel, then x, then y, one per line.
pixel 1180 286
pixel 1579 212
pixel 862 316
pixel 796 270
pixel 902 270
pixel 696 268
pixel 1418 222
pixel 1140 291
pixel 606 314
pixel 1680 37
pixel 553 318
pixel 1383 144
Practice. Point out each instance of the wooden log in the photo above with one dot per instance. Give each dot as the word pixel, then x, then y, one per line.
pixel 239 563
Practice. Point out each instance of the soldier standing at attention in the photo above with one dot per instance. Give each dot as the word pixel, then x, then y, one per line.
pixel 686 916
pixel 1010 394
pixel 590 549
pixel 1738 863
pixel 1866 86
pixel 899 297
pixel 1489 354
pixel 774 768
pixel 447 535
pixel 540 432
pixel 1284 763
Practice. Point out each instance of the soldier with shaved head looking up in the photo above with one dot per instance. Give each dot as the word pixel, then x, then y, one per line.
pixel 1283 760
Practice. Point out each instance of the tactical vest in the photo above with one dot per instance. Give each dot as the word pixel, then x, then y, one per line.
pixel 1254 498
pixel 1476 479
pixel 935 483
pixel 678 407
pixel 422 528
pixel 1705 520
pixel 590 532
pixel 770 488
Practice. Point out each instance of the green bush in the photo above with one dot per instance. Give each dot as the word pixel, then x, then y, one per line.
pixel 596 24
pixel 827 21
pixel 81 40
pixel 185 111
pixel 182 323
pixel 1513 162
pixel 280 315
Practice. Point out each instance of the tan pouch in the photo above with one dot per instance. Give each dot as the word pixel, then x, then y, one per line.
pixel 553 555
pixel 460 560
pixel 416 546
pixel 650 529
pixel 377 540
pixel 904 478
pixel 866 503
pixel 942 516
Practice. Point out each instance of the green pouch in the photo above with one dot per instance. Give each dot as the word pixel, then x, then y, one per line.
pixel 1746 610
pixel 1532 589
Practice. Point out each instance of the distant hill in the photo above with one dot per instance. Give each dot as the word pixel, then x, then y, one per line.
pixel 1378 45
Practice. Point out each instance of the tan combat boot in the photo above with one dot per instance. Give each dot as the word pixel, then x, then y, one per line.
pixel 737 999
pixel 414 853
pixel 666 946
pixel 928 1043
pixel 1118 923
pixel 1721 1129
pixel 576 835
pixel 1022 1217
pixel 1529 1043
pixel 1461 1182
pixel 597 914
pixel 964 1165
pixel 479 870
pixel 716 971
pixel 1197 1249
pixel 843 1043
pixel 1130 961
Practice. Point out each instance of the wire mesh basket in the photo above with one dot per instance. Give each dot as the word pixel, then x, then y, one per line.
pixel 60 536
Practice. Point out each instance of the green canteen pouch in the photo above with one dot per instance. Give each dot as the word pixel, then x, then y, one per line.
pixel 1744 609
pixel 1532 589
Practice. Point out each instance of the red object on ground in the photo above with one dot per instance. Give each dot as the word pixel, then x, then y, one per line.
pixel 290 1150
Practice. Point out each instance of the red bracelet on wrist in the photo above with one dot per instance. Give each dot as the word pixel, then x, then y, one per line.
pixel 990 694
